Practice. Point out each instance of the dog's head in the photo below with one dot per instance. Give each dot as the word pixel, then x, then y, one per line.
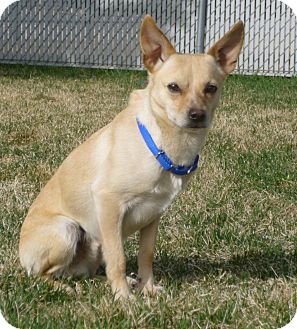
pixel 185 89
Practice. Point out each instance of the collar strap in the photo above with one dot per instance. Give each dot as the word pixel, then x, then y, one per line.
pixel 161 156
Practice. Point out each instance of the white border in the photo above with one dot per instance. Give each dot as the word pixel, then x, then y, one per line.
pixel 292 4
pixel 292 324
pixel 4 324
pixel 3 5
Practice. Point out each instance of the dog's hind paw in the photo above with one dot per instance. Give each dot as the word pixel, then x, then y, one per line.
pixel 133 281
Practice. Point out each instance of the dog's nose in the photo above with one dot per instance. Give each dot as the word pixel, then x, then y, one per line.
pixel 197 115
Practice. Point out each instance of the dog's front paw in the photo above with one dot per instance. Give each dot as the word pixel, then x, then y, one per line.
pixel 152 289
pixel 124 295
pixel 120 289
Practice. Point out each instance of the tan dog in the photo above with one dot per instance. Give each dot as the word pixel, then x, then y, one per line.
pixel 112 185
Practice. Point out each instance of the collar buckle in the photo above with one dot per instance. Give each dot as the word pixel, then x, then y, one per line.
pixel 159 153
pixel 190 169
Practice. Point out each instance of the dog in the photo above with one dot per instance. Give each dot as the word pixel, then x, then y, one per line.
pixel 126 174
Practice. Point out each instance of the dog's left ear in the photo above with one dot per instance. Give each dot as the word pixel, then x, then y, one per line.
pixel 227 49
pixel 154 45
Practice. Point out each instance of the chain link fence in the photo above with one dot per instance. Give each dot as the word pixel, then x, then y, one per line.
pixel 105 33
pixel 270 46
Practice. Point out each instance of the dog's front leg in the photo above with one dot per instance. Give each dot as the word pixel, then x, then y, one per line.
pixel 110 222
pixel 145 258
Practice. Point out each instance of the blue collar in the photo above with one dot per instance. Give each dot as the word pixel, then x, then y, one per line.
pixel 161 156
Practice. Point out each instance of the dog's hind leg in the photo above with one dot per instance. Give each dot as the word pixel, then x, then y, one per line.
pixel 87 259
pixel 49 246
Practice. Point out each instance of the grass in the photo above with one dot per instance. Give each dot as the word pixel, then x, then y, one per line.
pixel 227 248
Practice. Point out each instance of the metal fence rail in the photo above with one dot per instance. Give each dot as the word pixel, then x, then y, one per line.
pixel 105 33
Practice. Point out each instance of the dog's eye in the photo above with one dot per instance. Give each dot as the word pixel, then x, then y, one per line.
pixel 210 88
pixel 173 87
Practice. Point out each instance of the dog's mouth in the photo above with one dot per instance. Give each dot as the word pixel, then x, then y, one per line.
pixel 197 125
pixel 188 124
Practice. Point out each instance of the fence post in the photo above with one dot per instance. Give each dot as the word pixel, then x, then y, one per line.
pixel 200 30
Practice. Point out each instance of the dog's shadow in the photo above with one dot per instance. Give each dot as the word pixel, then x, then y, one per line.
pixel 251 265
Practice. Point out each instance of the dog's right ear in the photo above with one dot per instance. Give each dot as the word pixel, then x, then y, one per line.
pixel 154 45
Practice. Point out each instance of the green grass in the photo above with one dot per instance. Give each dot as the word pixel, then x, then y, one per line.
pixel 227 247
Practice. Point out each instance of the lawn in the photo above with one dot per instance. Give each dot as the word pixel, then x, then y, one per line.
pixel 227 248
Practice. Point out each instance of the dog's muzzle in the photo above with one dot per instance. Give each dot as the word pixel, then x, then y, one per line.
pixel 197 118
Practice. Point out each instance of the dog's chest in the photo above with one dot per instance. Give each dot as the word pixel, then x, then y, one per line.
pixel 151 204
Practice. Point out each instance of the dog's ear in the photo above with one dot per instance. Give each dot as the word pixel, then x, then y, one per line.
pixel 154 45
pixel 227 49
